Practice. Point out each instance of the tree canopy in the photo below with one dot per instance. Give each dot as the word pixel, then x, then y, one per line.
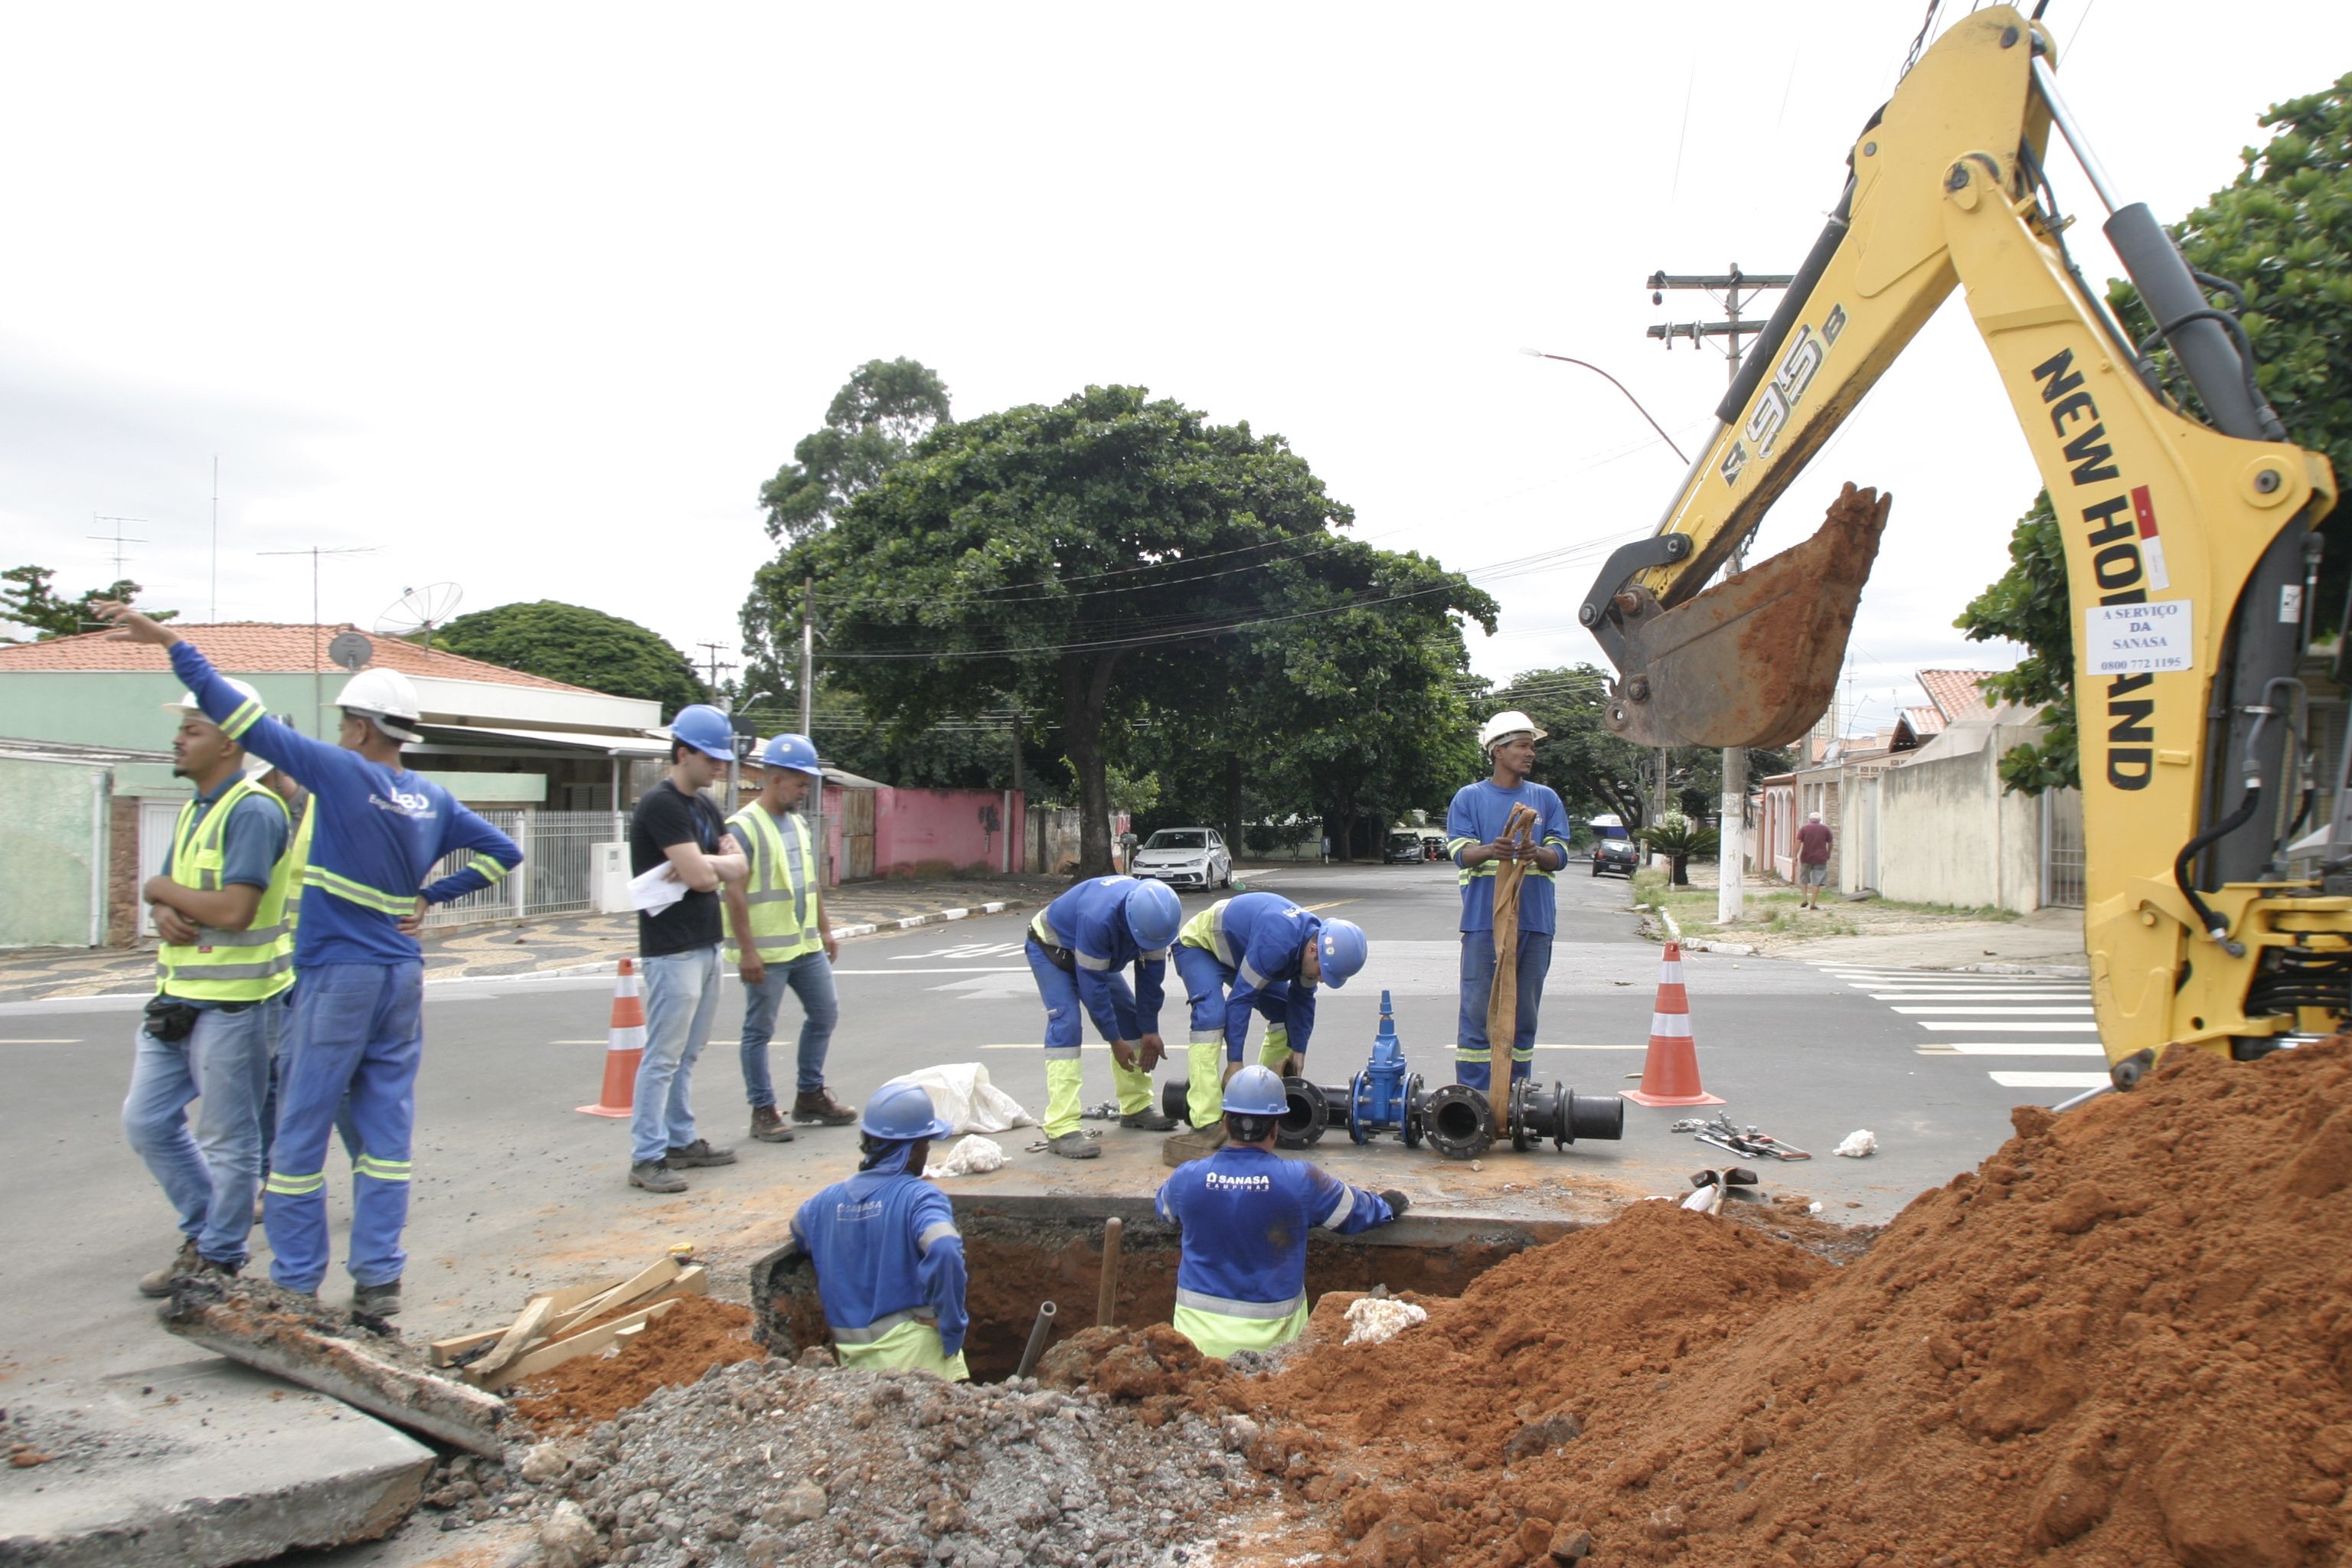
pixel 886 406
pixel 1594 769
pixel 1119 568
pixel 575 644
pixel 2282 231
pixel 29 602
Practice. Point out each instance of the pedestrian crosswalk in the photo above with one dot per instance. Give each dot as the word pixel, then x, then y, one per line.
pixel 2015 1019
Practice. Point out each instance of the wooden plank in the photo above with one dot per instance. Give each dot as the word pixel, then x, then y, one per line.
pixel 636 1288
pixel 443 1352
pixel 524 1330
pixel 586 1342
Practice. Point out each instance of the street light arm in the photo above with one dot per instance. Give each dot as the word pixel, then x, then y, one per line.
pixel 1669 440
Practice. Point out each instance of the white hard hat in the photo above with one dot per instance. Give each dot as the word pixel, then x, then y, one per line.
pixel 187 701
pixel 387 699
pixel 1508 722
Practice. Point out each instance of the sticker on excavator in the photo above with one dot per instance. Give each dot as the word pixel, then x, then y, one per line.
pixel 2138 640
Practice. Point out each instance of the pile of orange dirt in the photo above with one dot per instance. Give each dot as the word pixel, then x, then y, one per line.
pixel 1152 1364
pixel 2125 1340
pixel 677 1347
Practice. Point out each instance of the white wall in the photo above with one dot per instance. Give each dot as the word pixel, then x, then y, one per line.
pixel 1948 834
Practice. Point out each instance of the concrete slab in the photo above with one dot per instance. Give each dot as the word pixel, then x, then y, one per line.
pixel 197 1464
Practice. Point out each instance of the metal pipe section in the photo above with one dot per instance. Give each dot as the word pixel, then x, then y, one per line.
pixel 1037 1332
pixel 2088 1095
pixel 1458 1122
pixel 1107 1296
pixel 2045 80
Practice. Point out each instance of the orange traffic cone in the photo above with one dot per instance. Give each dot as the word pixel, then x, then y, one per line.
pixel 628 1047
pixel 1670 1072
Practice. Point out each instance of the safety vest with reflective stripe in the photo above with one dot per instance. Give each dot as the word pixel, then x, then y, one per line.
pixel 248 965
pixel 1206 931
pixel 300 856
pixel 784 922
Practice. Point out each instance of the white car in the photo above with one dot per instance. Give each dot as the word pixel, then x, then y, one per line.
pixel 1186 858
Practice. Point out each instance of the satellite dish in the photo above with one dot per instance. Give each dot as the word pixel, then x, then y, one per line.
pixel 351 650
pixel 421 610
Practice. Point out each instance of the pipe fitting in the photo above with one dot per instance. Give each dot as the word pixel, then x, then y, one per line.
pixel 1459 1122
pixel 1303 1123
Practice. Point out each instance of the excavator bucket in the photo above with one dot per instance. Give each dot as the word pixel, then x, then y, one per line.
pixel 1752 661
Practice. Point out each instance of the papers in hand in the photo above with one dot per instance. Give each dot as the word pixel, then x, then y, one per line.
pixel 656 891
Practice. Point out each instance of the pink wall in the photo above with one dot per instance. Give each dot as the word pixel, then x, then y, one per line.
pixel 932 832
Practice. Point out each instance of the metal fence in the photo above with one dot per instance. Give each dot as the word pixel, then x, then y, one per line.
pixel 2062 847
pixel 557 874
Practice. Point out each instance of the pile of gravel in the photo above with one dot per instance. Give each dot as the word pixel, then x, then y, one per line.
pixel 765 1462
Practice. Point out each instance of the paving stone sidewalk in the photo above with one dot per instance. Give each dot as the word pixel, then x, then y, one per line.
pixel 552 944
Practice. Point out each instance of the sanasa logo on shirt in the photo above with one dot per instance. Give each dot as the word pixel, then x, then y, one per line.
pixel 1246 1183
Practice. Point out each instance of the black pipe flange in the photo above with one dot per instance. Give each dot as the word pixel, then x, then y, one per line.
pixel 1176 1100
pixel 1304 1121
pixel 1523 1130
pixel 1563 1115
pixel 1416 1104
pixel 1458 1122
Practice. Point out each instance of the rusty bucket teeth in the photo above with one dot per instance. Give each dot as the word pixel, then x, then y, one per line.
pixel 1754 661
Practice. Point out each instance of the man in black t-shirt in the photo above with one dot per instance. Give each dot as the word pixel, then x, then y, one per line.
pixel 676 827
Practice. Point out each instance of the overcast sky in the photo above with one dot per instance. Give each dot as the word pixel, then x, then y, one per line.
pixel 533 299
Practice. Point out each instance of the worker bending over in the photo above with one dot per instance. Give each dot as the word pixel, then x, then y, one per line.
pixel 1253 952
pixel 1240 1283
pixel 220 977
pixel 1079 948
pixel 359 995
pixel 888 1258
pixel 1474 833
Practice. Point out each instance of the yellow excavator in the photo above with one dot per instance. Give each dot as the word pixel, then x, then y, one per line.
pixel 2189 520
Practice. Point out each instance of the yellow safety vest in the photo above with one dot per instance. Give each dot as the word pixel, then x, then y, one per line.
pixel 1206 931
pixel 248 965
pixel 784 923
pixel 301 858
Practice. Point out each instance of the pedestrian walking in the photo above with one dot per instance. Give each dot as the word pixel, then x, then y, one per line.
pixel 778 941
pixel 888 1258
pixel 1814 841
pixel 1475 826
pixel 221 976
pixel 676 830
pixel 1079 948
pixel 1245 1210
pixel 1253 952
pixel 357 1024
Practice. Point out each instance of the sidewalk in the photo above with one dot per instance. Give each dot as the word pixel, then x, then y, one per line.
pixel 553 944
pixel 2047 941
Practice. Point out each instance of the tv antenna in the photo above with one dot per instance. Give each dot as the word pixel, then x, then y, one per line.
pixel 420 610
pixel 118 539
pixel 317 654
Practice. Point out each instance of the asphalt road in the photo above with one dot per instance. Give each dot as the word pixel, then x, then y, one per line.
pixel 516 1190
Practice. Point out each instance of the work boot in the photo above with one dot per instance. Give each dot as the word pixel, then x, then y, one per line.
pixel 1197 1144
pixel 656 1176
pixel 1148 1120
pixel 184 1261
pixel 818 1105
pixel 377 1300
pixel 700 1152
pixel 768 1127
pixel 1074 1146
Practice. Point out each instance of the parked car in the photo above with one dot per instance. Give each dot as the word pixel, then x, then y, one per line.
pixel 1404 849
pixel 1186 858
pixel 1614 849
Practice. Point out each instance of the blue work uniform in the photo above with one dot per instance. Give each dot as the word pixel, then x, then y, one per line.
pixel 1241 1282
pixel 889 1269
pixel 357 1027
pixel 1080 949
pixel 1475 817
pixel 1241 955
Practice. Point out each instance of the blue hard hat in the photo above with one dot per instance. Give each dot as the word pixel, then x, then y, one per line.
pixel 900 1110
pixel 705 729
pixel 1153 914
pixel 1342 949
pixel 794 752
pixel 1255 1091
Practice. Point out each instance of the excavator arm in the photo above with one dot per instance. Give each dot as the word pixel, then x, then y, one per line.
pixel 2189 548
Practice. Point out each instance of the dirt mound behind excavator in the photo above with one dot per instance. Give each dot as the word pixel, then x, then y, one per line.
pixel 2125 1340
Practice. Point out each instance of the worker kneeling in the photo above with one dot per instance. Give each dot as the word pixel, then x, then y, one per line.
pixel 889 1260
pixel 1245 1212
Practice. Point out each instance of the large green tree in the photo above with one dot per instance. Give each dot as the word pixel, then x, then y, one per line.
pixel 2282 231
pixel 30 602
pixel 1112 564
pixel 1594 769
pixel 575 644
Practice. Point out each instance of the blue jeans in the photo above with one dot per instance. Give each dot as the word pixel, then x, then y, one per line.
pixel 357 1031
pixel 681 998
pixel 222 1065
pixel 1472 1054
pixel 810 978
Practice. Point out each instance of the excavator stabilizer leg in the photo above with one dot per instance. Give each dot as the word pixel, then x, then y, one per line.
pixel 1754 661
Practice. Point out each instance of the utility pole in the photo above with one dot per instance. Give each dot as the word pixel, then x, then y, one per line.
pixel 808 720
pixel 1734 289
pixel 215 609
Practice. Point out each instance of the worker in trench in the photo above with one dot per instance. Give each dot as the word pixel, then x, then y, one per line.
pixel 1245 1210
pixel 1253 952
pixel 1474 825
pixel 1079 948
pixel 888 1258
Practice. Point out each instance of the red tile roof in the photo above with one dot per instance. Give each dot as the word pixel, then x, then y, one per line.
pixel 259 647
pixel 1924 721
pixel 1955 692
